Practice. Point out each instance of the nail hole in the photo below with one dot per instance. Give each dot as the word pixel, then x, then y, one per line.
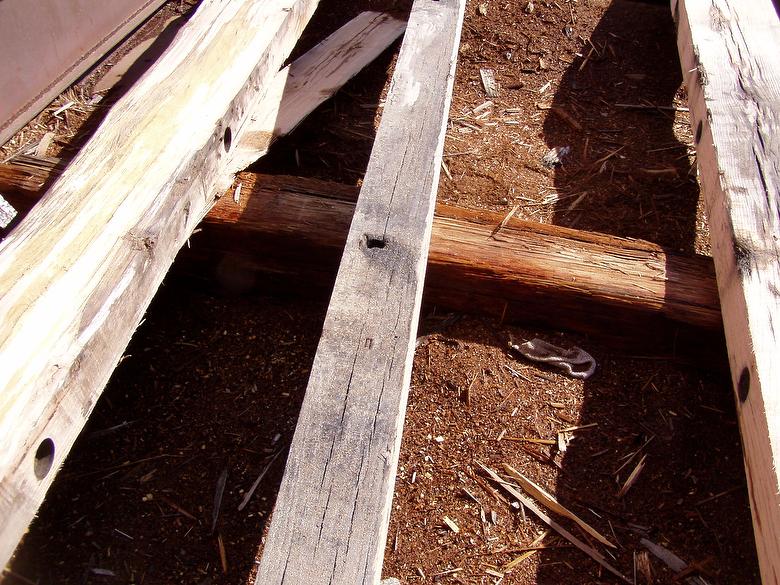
pixel 743 386
pixel 699 130
pixel 375 241
pixel 227 139
pixel 44 458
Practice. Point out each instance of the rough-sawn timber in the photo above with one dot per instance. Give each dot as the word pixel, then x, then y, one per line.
pixel 78 273
pixel 289 232
pixel 729 57
pixel 331 516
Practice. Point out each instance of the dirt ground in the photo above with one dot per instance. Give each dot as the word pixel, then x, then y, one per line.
pixel 209 391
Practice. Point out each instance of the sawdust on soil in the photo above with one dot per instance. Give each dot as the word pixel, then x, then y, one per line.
pixel 212 384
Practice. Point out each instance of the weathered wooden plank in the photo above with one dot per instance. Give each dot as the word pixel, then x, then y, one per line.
pixel 729 58
pixel 46 45
pixel 330 520
pixel 314 77
pixel 78 273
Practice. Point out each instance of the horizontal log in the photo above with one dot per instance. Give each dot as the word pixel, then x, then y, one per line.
pixel 599 282
pixel 288 233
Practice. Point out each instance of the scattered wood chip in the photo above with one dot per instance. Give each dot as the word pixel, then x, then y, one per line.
pixel 517 560
pixel 530 440
pixel 563 441
pixel 504 221
pixel 530 550
pixel 489 82
pixel 482 9
pixel 222 554
pixel 7 213
pixel 446 170
pixel 578 428
pixel 260 477
pixel 644 566
pixel 218 493
pixel 447 572
pixel 494 573
pixel 451 524
pixel 671 560
pixel 632 477
pixel 528 503
pixel 548 500
pixel 479 109
pixel 43 146
pixel 470 496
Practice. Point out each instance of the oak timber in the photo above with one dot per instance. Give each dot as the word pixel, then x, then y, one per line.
pixel 293 230
pixel 78 273
pixel 47 44
pixel 330 520
pixel 729 57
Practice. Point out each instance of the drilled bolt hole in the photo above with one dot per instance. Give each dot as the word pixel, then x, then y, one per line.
pixel 743 385
pixel 44 458
pixel 227 139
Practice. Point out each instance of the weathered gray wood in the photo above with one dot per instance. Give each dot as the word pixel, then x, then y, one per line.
pixel 78 273
pixel 313 78
pixel 729 58
pixel 331 516
pixel 47 44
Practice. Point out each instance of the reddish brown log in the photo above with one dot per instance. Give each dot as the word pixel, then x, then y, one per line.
pixel 287 234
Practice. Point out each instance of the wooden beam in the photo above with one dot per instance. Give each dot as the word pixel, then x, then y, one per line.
pixel 78 273
pixel 330 520
pixel 293 230
pixel 728 53
pixel 288 234
pixel 313 78
pixel 46 45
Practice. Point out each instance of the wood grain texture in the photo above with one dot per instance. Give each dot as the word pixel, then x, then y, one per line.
pixel 78 273
pixel 729 58
pixel 330 520
pixel 296 228
pixel 46 45
pixel 293 230
pixel 314 77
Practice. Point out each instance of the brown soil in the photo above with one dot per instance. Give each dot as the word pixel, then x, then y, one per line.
pixel 213 383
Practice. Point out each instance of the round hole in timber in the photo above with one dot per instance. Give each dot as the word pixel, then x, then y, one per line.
pixel 44 458
pixel 227 139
